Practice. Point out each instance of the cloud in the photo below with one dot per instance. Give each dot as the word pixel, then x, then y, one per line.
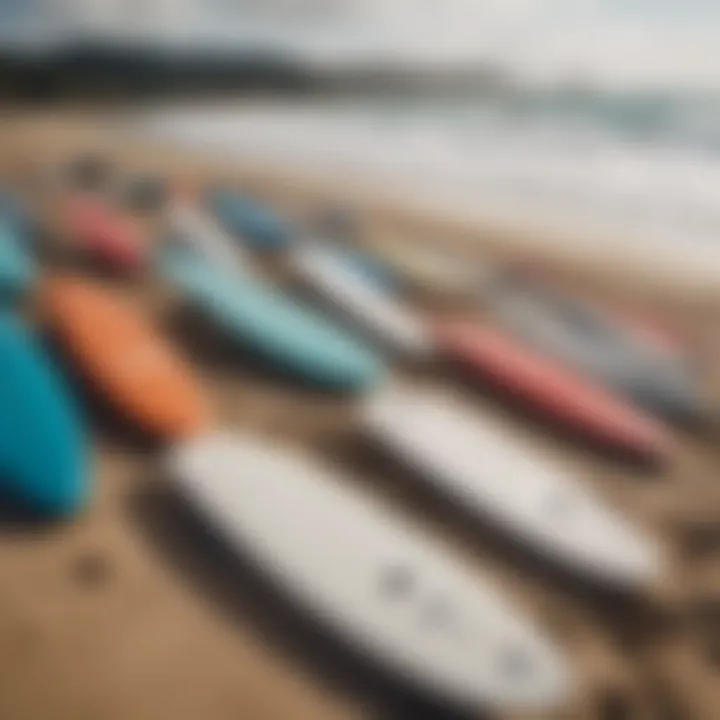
pixel 619 42
pixel 615 43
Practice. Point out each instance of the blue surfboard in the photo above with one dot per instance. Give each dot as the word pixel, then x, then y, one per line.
pixel 18 271
pixel 293 338
pixel 339 223
pixel 252 222
pixel 369 268
pixel 42 445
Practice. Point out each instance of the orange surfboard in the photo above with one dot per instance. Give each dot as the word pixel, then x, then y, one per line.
pixel 128 362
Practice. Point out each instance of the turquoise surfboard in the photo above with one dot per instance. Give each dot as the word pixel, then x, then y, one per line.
pixel 18 271
pixel 252 222
pixel 42 445
pixel 282 331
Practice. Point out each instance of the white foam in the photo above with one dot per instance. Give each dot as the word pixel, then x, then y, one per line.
pixel 581 184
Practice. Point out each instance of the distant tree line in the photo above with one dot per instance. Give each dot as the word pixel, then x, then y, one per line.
pixel 91 72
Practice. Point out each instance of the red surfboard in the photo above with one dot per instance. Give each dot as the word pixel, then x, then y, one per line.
pixel 104 233
pixel 549 388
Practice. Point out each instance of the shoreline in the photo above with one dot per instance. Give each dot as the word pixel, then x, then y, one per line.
pixel 597 262
pixel 679 259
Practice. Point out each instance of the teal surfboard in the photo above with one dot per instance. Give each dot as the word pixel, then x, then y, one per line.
pixel 42 444
pixel 288 335
pixel 12 208
pixel 250 221
pixel 18 271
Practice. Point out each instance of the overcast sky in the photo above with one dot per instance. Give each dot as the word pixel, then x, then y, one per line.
pixel 618 42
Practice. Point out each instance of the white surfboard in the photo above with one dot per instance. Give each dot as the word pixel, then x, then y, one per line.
pixel 369 575
pixel 379 314
pixel 192 229
pixel 467 457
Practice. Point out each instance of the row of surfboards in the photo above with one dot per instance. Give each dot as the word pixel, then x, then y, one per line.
pixel 615 383
pixel 370 575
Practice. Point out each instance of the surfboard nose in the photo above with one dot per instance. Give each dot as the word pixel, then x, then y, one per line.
pixel 255 223
pixel 65 497
pixel 58 489
pixel 672 396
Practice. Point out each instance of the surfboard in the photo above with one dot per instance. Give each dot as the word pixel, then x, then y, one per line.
pixel 43 451
pixel 553 389
pixel 274 326
pixel 18 270
pixel 105 234
pixel 369 268
pixel 255 224
pixel 652 333
pixel 340 224
pixel 640 368
pixel 192 229
pixel 467 457
pixel 89 171
pixel 649 328
pixel 125 358
pixel 369 576
pixel 145 193
pixel 381 317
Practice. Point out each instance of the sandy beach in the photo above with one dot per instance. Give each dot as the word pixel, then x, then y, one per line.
pixel 132 613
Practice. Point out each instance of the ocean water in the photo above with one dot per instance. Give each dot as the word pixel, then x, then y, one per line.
pixel 632 170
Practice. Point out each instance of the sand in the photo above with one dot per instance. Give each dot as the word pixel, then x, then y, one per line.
pixel 133 613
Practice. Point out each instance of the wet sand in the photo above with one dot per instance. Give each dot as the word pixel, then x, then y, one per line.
pixel 134 613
